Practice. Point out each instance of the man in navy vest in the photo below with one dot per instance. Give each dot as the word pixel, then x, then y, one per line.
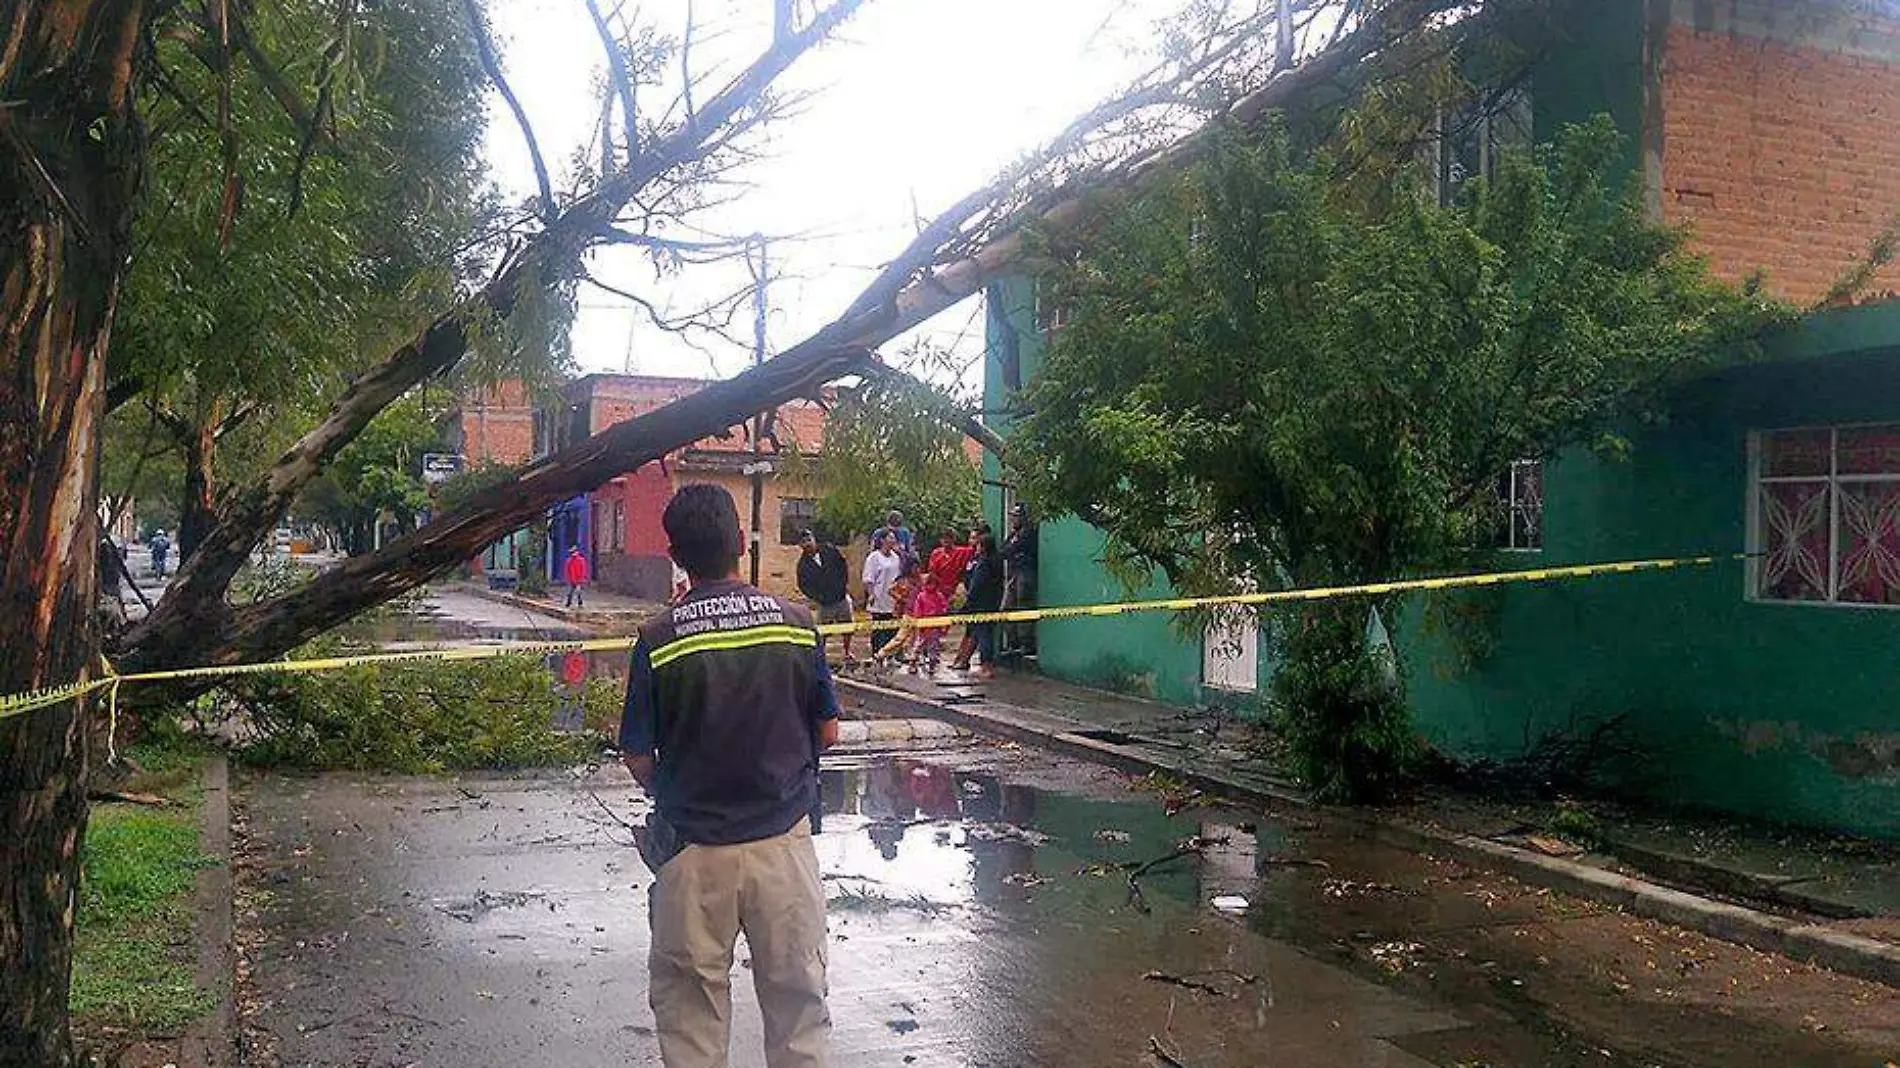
pixel 729 703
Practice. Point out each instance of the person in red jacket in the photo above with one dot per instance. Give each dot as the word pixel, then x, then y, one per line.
pixel 948 562
pixel 574 570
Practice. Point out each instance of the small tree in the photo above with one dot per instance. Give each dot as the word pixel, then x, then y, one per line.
pixel 378 474
pixel 888 445
pixel 1262 377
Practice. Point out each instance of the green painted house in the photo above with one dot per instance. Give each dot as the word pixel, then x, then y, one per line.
pixel 1768 687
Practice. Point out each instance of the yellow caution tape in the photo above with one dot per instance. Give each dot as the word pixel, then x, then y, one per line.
pixel 21 703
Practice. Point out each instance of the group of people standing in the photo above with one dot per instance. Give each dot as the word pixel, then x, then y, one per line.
pixel 899 582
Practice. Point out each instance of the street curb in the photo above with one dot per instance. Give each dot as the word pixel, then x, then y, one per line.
pixel 212 1040
pixel 873 732
pixel 560 612
pixel 1840 951
pixel 898 704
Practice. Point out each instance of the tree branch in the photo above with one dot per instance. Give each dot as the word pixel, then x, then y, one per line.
pixel 621 77
pixel 186 623
pixel 277 86
pixel 485 49
pixel 951 414
pixel 910 290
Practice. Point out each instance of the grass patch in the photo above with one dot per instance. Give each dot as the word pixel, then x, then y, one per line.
pixel 134 960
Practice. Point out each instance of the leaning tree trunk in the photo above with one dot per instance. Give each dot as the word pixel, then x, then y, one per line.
pixel 69 149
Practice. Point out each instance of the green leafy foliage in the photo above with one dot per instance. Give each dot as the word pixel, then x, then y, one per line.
pixel 887 446
pixel 1265 377
pixel 424 718
pixel 277 258
pixel 378 473
pixel 475 478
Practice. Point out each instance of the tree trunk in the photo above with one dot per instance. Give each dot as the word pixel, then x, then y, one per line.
pixel 69 151
pixel 197 511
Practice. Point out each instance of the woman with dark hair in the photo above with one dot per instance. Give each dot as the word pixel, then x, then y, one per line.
pixel 985 595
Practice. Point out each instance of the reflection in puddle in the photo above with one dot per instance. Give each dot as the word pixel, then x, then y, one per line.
pixel 916 833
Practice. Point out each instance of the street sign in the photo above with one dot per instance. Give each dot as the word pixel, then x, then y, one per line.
pixel 440 466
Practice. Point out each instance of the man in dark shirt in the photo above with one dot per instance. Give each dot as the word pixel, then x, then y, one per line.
pixel 729 702
pixel 823 576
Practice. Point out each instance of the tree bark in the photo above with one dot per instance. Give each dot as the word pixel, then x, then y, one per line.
pixel 69 155
pixel 197 511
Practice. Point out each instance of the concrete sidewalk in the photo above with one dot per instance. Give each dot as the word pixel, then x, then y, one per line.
pixel 1810 899
pixel 608 611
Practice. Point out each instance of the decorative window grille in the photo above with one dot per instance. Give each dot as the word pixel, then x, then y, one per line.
pixel 1825 515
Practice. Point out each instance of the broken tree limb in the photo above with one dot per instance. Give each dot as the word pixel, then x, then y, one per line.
pixel 1186 983
pixel 198 627
pixel 1161 1053
pixel 491 65
pixel 193 615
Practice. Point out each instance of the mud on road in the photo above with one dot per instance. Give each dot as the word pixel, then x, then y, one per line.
pixel 981 915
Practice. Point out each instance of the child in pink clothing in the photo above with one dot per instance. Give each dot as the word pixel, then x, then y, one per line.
pixel 926 642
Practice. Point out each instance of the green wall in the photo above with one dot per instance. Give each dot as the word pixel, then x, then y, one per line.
pixel 1145 653
pixel 1778 711
pixel 1786 712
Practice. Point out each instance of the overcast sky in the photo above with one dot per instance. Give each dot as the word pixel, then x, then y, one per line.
pixel 917 103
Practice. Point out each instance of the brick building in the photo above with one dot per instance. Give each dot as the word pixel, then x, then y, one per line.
pixel 493 425
pixel 618 525
pixel 1771 129
pixel 1779 136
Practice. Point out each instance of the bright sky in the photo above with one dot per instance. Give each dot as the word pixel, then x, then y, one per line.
pixel 917 103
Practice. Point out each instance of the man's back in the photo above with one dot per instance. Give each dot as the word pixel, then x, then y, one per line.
pixel 728 686
pixel 822 575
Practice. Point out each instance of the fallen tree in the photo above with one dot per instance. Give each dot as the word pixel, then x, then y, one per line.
pixel 975 241
pixel 70 159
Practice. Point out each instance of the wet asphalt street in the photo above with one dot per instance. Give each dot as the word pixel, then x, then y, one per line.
pixel 981 915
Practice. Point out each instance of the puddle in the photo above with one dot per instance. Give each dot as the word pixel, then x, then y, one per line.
pixel 916 833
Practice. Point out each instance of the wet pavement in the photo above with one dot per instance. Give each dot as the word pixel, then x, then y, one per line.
pixel 981 914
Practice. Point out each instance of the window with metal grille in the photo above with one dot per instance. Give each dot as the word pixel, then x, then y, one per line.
pixel 1471 140
pixel 1824 515
pixel 796 515
pixel 1519 507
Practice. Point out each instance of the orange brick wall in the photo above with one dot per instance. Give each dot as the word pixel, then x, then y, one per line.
pixel 1781 148
pixel 496 424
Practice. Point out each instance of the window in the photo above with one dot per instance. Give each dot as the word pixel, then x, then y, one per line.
pixel 1825 515
pixel 1051 316
pixel 1472 139
pixel 1519 507
pixel 598 541
pixel 620 526
pixel 796 515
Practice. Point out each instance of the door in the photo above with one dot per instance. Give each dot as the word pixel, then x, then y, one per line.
pixel 1230 652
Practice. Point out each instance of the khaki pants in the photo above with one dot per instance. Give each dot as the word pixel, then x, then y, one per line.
pixel 703 898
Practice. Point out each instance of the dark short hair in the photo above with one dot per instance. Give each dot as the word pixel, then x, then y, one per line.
pixel 702 530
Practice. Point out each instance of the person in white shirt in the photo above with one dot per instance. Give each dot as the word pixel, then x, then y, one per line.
pixel 882 568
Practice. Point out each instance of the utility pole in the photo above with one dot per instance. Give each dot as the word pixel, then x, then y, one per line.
pixel 1283 23
pixel 759 466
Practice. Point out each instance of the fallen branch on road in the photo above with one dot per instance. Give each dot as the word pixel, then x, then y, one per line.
pixel 1161 1053
pixel 1189 847
pixel 1186 983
